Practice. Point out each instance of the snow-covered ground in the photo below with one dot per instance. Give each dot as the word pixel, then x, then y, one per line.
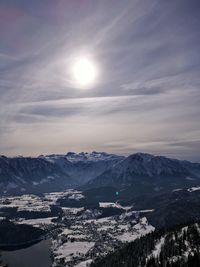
pixel 70 193
pixel 71 249
pixel 158 246
pixel 113 205
pixel 192 189
pixel 35 203
pixel 25 203
pixel 84 263
pixel 72 210
pixel 40 222
pixel 138 230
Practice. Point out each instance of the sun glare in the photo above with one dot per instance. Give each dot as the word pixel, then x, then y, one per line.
pixel 84 71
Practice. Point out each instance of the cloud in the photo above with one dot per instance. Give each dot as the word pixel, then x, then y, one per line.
pixel 147 96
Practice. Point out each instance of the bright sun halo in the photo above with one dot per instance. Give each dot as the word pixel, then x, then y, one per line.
pixel 84 71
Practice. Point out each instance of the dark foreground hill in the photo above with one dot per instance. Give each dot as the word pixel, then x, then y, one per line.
pixel 179 247
pixel 171 208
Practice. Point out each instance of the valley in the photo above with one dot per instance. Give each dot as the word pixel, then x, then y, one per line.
pixel 77 235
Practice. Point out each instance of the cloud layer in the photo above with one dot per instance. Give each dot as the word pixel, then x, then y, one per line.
pixel 147 95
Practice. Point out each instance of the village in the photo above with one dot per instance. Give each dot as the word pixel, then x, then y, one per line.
pixel 79 235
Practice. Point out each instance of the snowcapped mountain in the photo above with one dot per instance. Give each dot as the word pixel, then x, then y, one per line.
pixel 85 157
pixel 140 173
pixel 83 167
pixel 52 172
pixel 92 157
pixel 144 173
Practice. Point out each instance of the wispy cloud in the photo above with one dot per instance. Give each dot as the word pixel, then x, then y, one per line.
pixel 148 57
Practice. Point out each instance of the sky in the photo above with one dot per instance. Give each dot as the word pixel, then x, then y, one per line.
pixel 146 96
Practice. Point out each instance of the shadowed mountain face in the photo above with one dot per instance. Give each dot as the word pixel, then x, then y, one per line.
pixel 31 175
pixel 52 172
pixel 144 173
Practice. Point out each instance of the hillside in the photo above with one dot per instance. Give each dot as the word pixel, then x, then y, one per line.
pixel 179 247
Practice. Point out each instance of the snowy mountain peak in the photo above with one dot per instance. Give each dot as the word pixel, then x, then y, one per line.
pixel 93 156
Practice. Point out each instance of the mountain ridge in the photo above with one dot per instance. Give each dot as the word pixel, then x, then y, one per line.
pixel 140 172
pixel 52 172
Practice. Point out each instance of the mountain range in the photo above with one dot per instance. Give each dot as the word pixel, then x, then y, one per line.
pixel 138 173
pixel 19 175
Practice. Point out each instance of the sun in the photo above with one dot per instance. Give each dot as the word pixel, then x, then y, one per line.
pixel 84 71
